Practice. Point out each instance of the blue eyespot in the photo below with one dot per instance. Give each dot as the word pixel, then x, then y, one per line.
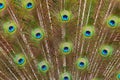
pixel 66 78
pixel 1 5
pixel 64 17
pixel 21 61
pixel 104 52
pixel 38 35
pixel 44 67
pixel 112 23
pixel 81 64
pixel 11 29
pixel 118 76
pixel 87 33
pixel 29 5
pixel 66 49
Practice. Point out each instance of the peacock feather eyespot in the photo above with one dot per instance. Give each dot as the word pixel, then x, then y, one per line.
pixel 20 60
pixel 65 16
pixel 113 21
pixel 43 66
pixel 82 63
pixel 28 4
pixel 38 34
pixel 59 39
pixel 118 76
pixel 10 27
pixel 106 51
pixel 66 48
pixel 88 31
pixel 65 76
pixel 2 5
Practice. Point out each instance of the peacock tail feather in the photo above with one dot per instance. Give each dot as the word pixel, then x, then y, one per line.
pixel 59 39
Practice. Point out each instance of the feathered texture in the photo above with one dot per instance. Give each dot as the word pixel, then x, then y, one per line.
pixel 59 39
